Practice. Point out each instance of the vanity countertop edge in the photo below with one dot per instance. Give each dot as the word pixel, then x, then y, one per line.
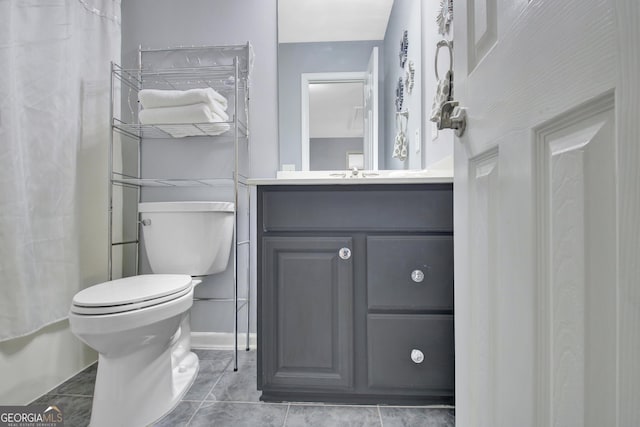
pixel 350 181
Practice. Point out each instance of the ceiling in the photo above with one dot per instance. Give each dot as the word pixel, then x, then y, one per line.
pixel 303 21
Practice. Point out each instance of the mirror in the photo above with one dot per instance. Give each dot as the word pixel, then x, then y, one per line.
pixel 340 67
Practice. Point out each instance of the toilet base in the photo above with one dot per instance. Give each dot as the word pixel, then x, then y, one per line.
pixel 133 392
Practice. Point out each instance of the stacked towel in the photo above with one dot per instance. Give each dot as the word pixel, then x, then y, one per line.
pixel 154 98
pixel 195 113
pixel 203 107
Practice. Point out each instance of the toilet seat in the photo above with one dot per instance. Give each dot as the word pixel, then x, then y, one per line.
pixel 130 293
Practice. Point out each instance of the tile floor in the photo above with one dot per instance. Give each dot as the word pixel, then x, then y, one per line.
pixel 221 397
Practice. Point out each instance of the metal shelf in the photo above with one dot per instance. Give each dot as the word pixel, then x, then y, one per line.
pixel 167 131
pixel 223 68
pixel 219 78
pixel 118 178
pixel 173 182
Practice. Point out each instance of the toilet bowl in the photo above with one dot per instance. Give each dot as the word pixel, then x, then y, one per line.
pixel 140 326
pixel 132 323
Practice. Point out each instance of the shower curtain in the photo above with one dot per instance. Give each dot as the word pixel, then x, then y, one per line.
pixel 54 133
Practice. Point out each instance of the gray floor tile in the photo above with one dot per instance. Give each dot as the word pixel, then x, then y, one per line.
pixel 225 414
pixel 417 417
pixel 208 374
pixel 180 415
pixel 334 416
pixel 237 386
pixel 204 354
pixel 247 358
pixel 234 401
pixel 76 410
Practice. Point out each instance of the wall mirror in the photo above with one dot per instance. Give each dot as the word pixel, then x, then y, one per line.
pixel 339 63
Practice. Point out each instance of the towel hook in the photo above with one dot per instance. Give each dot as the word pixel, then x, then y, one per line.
pixel 449 45
pixel 453 117
pixel 399 121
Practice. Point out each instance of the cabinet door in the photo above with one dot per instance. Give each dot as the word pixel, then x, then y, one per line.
pixel 307 313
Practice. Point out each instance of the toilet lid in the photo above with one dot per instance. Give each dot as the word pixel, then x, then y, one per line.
pixel 131 293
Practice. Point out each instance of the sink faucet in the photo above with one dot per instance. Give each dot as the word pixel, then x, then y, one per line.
pixel 354 171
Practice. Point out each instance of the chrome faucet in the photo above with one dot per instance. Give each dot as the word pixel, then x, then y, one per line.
pixel 354 172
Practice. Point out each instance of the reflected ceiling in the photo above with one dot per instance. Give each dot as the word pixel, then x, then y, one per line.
pixel 302 21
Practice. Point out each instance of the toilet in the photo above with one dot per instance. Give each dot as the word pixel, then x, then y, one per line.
pixel 139 325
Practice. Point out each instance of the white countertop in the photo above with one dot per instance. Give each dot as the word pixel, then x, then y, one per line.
pixel 362 177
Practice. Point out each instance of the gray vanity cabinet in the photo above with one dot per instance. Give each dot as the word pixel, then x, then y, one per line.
pixel 355 293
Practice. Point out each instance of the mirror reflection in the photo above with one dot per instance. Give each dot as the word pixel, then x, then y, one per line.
pixel 339 67
pixel 336 124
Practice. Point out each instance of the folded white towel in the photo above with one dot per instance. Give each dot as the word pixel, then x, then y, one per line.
pixel 195 113
pixel 218 110
pixel 201 129
pixel 154 98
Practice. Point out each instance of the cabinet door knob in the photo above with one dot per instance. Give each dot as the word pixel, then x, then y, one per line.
pixel 345 253
pixel 417 356
pixel 417 276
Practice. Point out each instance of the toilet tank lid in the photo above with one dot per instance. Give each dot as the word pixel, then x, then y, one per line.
pixel 186 207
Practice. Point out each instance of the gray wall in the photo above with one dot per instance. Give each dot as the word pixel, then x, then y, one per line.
pixel 405 15
pixel 166 23
pixel 331 153
pixel 435 147
pixel 297 58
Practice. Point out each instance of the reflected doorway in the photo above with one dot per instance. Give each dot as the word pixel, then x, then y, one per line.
pixel 336 123
pixel 340 119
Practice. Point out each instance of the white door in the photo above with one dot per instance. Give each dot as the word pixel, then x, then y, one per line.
pixel 370 112
pixel 547 213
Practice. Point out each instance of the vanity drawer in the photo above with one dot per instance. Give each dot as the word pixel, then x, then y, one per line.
pixel 391 340
pixel 379 207
pixel 410 272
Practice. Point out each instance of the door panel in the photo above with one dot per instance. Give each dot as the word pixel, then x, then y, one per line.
pixel 545 248
pixel 484 173
pixel 576 191
pixel 483 29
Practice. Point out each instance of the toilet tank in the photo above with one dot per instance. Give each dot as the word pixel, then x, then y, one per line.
pixel 192 238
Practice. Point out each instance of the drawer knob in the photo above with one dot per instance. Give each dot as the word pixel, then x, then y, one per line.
pixel 417 356
pixel 344 253
pixel 417 276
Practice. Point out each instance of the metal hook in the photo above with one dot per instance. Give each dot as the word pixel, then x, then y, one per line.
pixel 399 116
pixel 449 45
pixel 453 117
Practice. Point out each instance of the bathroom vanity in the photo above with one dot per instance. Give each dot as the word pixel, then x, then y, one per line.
pixel 355 291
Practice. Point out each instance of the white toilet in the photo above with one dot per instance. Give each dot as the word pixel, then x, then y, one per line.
pixel 139 325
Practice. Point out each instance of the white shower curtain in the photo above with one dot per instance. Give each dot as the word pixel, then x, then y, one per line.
pixel 54 133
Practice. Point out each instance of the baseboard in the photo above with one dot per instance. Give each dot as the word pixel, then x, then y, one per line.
pixel 221 340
